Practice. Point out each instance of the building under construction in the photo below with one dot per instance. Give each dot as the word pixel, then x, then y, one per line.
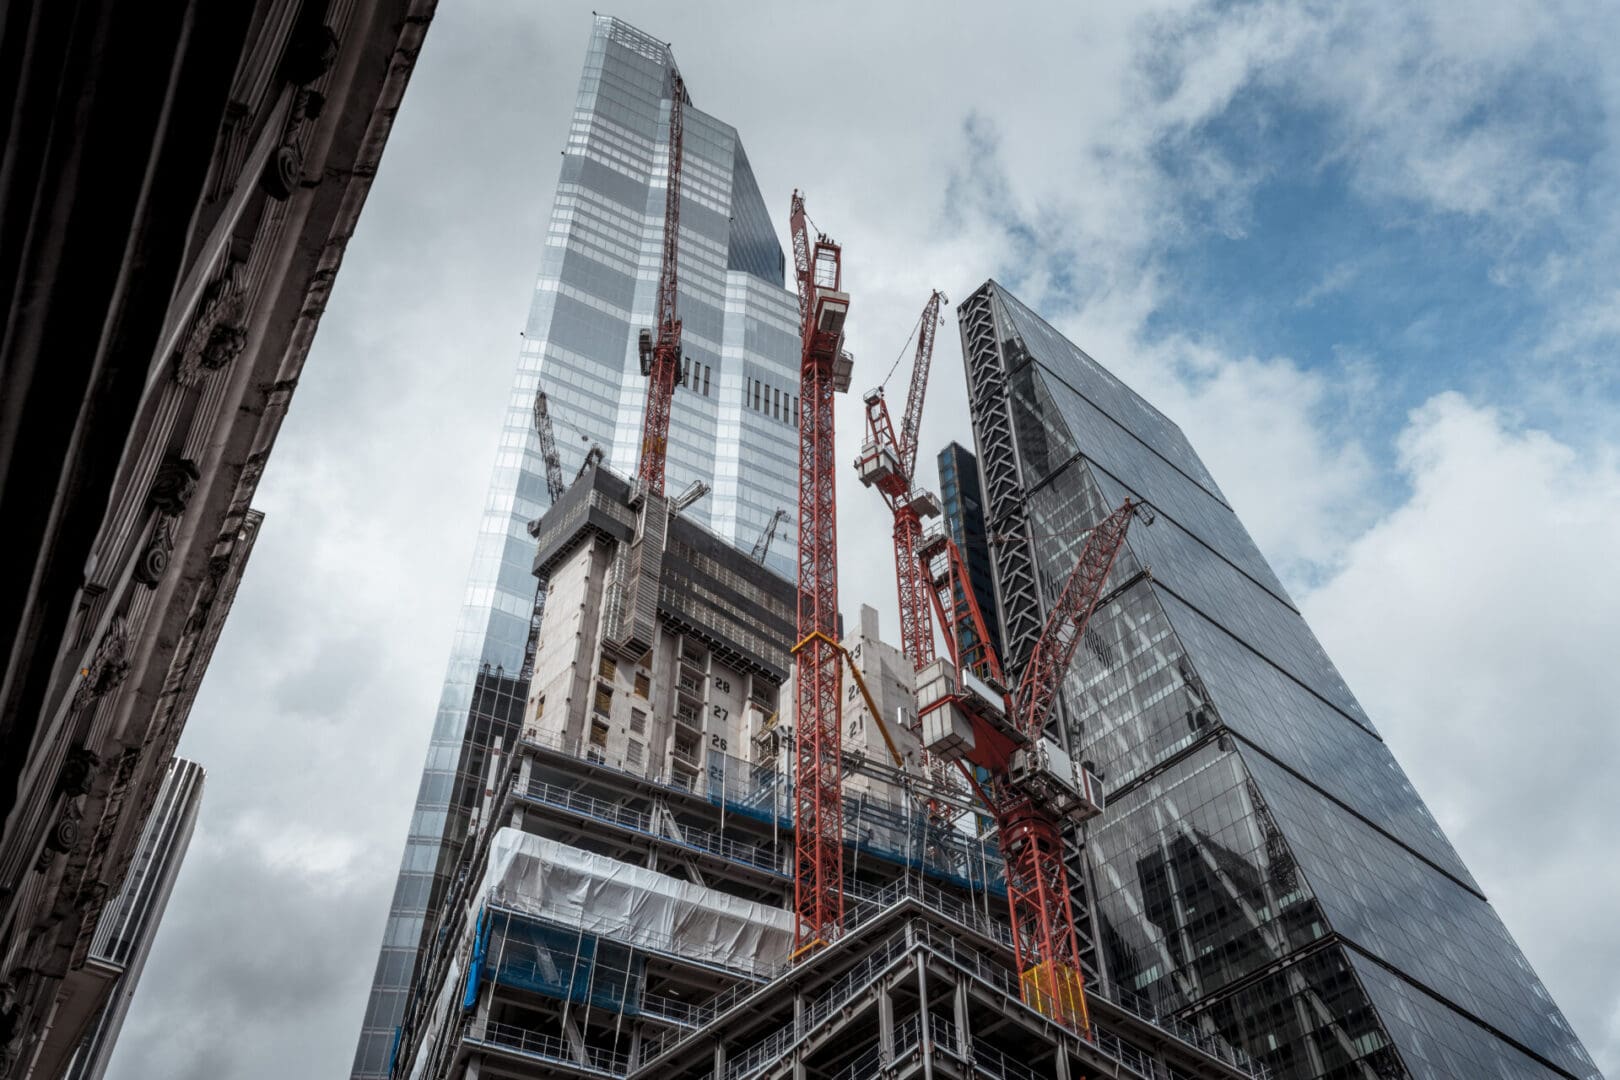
pixel 704 832
pixel 623 902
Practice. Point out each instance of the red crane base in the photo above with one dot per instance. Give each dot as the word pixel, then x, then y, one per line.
pixel 1042 915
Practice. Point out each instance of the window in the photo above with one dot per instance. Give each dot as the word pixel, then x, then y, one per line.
pixel 633 754
pixel 604 699
pixel 705 380
pixel 607 669
pixel 638 722
pixel 757 388
pixel 776 404
pixel 795 412
pixel 539 706
pixel 643 684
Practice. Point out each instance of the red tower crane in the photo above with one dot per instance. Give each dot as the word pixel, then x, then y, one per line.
pixel 970 717
pixel 889 464
pixel 824 369
pixel 661 358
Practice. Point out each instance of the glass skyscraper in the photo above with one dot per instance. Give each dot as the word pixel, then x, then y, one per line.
pixel 732 422
pixel 1264 869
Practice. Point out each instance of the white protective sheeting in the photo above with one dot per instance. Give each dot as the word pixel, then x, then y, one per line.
pixel 633 905
pixel 447 1002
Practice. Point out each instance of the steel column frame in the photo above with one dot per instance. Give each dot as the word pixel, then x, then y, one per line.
pixel 666 353
pixel 818 878
pixel 1015 578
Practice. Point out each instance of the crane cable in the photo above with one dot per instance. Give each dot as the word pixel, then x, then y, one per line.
pixel 895 366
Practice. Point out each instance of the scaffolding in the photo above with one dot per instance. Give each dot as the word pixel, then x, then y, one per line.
pixel 647 935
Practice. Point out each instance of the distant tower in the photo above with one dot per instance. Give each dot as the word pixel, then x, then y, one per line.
pixel 129 922
pixel 963 505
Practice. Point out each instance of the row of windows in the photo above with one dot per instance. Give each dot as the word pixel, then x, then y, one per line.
pixel 689 376
pixel 771 400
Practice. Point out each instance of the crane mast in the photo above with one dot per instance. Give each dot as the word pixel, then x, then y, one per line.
pixel 661 357
pixel 969 716
pixel 824 369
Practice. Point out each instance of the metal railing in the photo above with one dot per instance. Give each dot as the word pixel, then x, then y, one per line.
pixel 536 1044
pixel 756 856
pixel 892 831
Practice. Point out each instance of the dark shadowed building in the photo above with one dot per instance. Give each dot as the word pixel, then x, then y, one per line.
pixel 179 181
pixel 962 505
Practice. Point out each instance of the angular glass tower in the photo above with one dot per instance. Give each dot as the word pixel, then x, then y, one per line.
pixel 731 424
pixel 1264 869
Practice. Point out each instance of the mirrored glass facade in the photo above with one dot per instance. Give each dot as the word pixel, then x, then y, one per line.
pixel 732 422
pixel 1264 868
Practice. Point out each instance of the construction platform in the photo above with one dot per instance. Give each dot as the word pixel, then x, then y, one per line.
pixel 592 961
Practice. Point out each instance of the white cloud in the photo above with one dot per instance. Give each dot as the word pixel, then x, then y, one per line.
pixel 1477 623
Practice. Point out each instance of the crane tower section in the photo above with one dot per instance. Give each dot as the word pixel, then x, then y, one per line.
pixel 824 370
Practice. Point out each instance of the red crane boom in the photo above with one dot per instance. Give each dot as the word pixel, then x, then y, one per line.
pixel 968 716
pixel 661 359
pixel 824 369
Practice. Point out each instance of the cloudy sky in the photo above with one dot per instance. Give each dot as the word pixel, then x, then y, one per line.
pixel 1364 253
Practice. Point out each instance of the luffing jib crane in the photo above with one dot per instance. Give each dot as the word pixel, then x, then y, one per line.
pixel 824 369
pixel 555 486
pixel 661 357
pixel 888 463
pixel 762 546
pixel 548 446
pixel 1033 787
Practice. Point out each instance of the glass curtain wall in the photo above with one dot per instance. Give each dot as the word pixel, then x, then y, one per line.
pixel 1264 867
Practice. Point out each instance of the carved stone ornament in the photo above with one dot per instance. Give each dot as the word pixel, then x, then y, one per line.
pixel 218 332
pixel 173 487
pixel 284 172
pixel 154 559
pixel 64 837
pixel 109 666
